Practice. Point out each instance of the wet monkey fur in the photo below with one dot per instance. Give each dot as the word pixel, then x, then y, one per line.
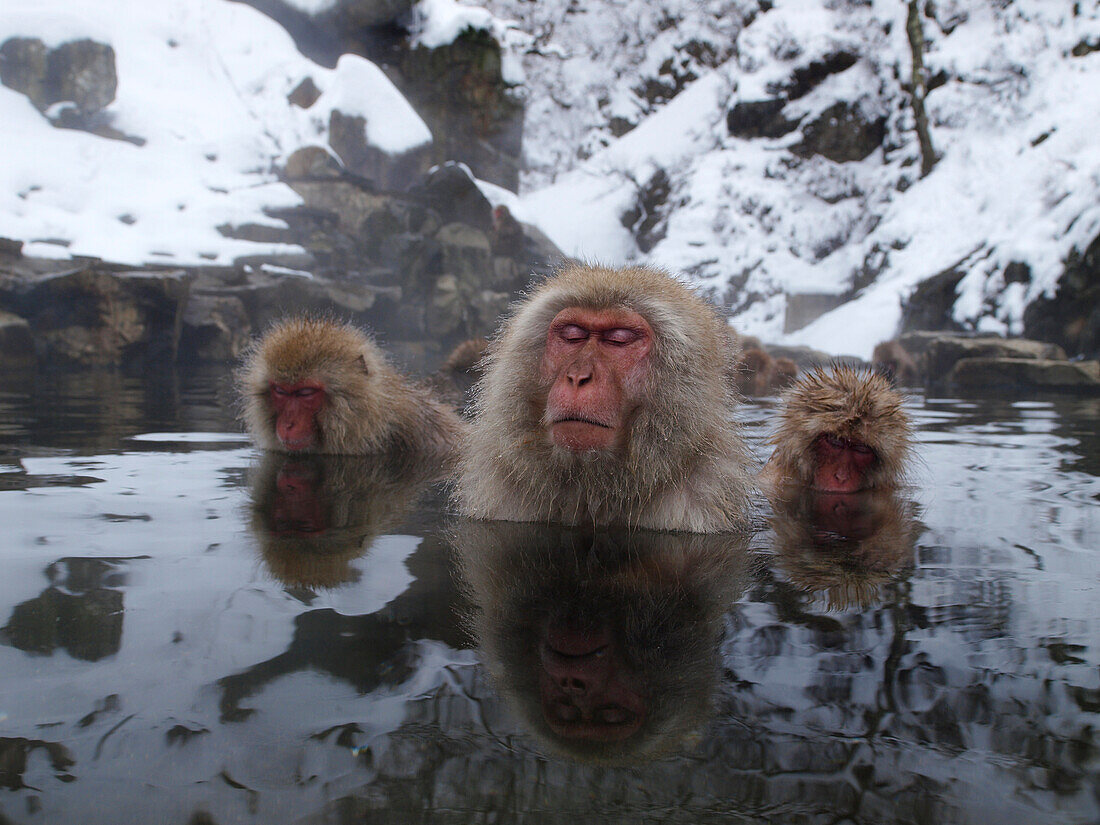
pixel 606 401
pixel 316 385
pixel 841 430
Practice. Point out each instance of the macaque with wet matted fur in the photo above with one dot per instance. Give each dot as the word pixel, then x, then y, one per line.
pixel 317 385
pixel 605 401
pixel 841 430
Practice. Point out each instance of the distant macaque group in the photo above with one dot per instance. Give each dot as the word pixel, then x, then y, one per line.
pixel 606 399
pixel 757 373
pixel 892 360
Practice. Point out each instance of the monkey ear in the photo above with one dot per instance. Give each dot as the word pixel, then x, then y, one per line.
pixel 361 363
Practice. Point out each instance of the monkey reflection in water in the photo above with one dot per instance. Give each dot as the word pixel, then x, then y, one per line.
pixel 313 514
pixel 605 644
pixel 844 547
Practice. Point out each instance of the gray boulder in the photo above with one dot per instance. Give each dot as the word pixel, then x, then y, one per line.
pixel 16 341
pixel 842 133
pixel 81 72
pixel 215 328
pixel 1034 374
pixel 90 314
pixel 939 352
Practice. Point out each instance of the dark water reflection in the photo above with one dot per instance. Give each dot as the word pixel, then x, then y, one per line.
pixel 194 633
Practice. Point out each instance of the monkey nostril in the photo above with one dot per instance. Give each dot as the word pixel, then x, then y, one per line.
pixel 573 685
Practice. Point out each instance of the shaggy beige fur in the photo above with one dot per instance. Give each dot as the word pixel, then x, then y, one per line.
pixel 684 465
pixel 846 402
pixel 370 407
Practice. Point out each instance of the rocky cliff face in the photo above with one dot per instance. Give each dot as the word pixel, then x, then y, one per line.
pixel 390 229
pixel 425 269
pixel 772 151
pixel 842 155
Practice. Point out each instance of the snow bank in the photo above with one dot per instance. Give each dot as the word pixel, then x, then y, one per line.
pixel 204 84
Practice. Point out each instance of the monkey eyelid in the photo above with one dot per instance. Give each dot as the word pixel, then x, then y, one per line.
pixel 621 336
pixel 839 443
pixel 616 336
pixel 572 332
pixel 301 392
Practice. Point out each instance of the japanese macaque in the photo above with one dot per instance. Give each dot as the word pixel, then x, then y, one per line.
pixel 467 356
pixel 892 360
pixel 754 372
pixel 313 515
pixel 784 372
pixel 316 385
pixel 841 430
pixel 506 235
pixel 454 381
pixel 606 401
pixel 603 643
pixel 843 547
pixel 757 373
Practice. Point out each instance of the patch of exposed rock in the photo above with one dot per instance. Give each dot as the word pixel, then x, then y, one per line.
pixel 1035 374
pixel 91 313
pixel 425 269
pixel 953 361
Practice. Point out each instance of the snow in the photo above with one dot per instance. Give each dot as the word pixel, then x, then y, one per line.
pixel 751 224
pixel 312 7
pixel 392 125
pixel 205 82
pixel 439 22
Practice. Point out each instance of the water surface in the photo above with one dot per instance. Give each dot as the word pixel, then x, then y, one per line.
pixel 195 633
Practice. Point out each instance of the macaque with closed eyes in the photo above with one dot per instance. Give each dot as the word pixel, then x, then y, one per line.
pixel 317 385
pixel 605 401
pixel 841 430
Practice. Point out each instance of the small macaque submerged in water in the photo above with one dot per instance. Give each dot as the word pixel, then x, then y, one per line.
pixel 321 386
pixel 841 430
pixel 605 401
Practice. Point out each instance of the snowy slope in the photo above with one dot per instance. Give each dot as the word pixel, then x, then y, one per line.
pixel 204 83
pixel 1019 178
pixel 618 91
